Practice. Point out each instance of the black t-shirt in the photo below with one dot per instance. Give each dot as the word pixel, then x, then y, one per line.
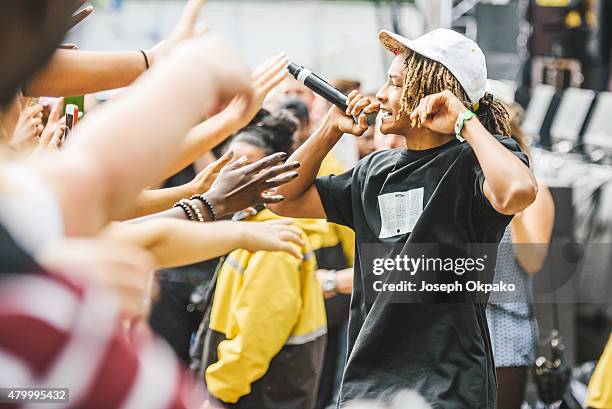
pixel 400 198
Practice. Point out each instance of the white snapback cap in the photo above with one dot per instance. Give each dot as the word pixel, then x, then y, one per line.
pixel 462 56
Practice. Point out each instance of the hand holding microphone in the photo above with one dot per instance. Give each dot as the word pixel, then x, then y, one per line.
pixel 360 108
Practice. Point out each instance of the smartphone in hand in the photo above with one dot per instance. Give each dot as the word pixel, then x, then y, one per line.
pixel 72 117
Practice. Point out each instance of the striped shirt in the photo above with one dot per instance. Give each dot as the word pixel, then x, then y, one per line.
pixel 55 334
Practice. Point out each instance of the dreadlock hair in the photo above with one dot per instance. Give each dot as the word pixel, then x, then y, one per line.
pixel 423 76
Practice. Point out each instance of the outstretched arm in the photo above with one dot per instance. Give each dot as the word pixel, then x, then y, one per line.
pixel 127 144
pixel 178 242
pixel 74 72
pixel 210 133
pixel 159 200
pixel 95 169
pixel 238 186
pixel 301 196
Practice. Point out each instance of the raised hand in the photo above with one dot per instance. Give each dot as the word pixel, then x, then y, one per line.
pixel 204 180
pixel 265 78
pixel 273 235
pixel 438 112
pixel 224 70
pixel 184 30
pixel 239 186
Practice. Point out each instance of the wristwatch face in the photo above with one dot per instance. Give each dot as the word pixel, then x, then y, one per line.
pixel 330 284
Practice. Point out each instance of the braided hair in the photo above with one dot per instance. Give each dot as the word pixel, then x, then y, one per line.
pixel 423 76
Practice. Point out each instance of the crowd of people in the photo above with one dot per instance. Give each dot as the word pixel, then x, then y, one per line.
pixel 202 237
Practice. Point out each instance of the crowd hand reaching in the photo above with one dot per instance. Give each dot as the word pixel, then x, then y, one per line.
pixel 29 126
pixel 117 266
pixel 272 235
pixel 214 57
pixel 224 68
pixel 438 112
pixel 358 104
pixel 184 30
pixel 265 78
pixel 239 185
pixel 204 180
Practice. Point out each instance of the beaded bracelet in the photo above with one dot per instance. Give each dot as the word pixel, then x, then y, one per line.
pixel 207 204
pixel 186 208
pixel 195 209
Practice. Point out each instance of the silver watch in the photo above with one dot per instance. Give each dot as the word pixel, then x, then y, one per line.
pixel 329 285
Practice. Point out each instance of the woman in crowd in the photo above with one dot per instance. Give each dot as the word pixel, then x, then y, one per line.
pixel 522 252
pixel 334 249
pixel 262 340
pixel 455 193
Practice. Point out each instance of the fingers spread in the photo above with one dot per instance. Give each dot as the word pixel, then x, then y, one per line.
pixel 279 170
pixel 280 180
pixel 271 199
pixel 279 65
pixel 238 163
pixel 222 161
pixel 276 80
pixel 263 67
pixel 265 163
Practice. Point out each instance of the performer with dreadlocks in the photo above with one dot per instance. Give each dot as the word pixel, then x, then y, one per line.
pixel 458 181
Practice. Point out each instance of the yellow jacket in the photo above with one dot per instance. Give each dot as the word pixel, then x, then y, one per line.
pixel 600 386
pixel 266 335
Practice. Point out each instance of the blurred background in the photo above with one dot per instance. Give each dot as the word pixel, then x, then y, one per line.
pixel 552 62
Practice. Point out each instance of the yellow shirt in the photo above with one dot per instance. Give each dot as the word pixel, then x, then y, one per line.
pixel 600 386
pixel 332 166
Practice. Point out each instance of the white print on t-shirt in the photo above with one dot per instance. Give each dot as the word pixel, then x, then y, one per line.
pixel 399 212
